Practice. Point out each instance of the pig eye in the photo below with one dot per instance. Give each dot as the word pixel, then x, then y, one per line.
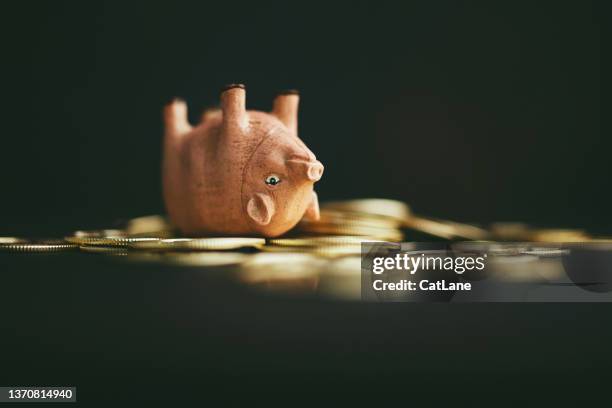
pixel 272 180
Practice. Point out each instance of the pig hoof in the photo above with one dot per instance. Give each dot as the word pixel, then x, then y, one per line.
pixel 289 92
pixel 232 86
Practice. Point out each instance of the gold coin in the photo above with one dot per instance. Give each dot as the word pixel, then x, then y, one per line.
pixel 150 225
pixel 374 233
pixel 199 244
pixel 510 231
pixel 99 233
pixel 282 270
pixel 202 259
pixel 93 237
pixel 38 246
pixel 545 252
pixel 112 241
pixel 324 240
pixel 321 251
pixel 372 206
pixel 12 240
pixel 336 251
pixel 558 235
pixel 104 250
pixel 491 247
pixel 209 259
pixel 338 217
pixel 446 229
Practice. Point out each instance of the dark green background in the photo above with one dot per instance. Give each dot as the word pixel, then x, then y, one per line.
pixel 470 111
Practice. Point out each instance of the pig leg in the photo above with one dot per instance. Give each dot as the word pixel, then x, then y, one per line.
pixel 233 105
pixel 285 108
pixel 175 119
pixel 176 126
pixel 312 211
pixel 211 114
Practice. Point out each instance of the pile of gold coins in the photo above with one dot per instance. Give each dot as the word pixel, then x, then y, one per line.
pixel 313 256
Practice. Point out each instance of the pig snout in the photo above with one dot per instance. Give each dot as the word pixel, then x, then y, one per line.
pixel 309 170
pixel 315 171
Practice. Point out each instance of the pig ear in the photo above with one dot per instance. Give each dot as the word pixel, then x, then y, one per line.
pixel 261 208
pixel 286 109
pixel 233 105
pixel 312 212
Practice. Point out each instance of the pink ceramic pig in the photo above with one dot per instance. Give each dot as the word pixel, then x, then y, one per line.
pixel 238 171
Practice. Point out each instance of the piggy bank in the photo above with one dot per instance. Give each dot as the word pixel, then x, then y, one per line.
pixel 239 172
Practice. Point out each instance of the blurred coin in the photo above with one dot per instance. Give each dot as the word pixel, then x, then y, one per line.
pixel 341 278
pixel 199 244
pixel 322 251
pixel 491 247
pixel 601 244
pixel 362 219
pixel 469 231
pixel 104 233
pixel 85 237
pixel 288 272
pixel 551 269
pixel 445 229
pixel 386 234
pixel 431 227
pixel 544 252
pixel 516 231
pixel 37 246
pixel 204 258
pixel 549 266
pixel 526 268
pixel 558 235
pixel 12 240
pixel 323 240
pixel 122 251
pixel 374 206
pixel 151 225
pixel 510 231
pixel 515 268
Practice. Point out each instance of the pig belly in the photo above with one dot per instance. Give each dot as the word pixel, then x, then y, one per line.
pixel 215 213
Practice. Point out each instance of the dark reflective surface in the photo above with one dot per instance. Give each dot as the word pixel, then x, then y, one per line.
pixel 117 329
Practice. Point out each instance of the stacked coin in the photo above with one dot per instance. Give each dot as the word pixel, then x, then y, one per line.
pixel 446 229
pixel 517 231
pixel 384 219
pixel 13 244
pixel 198 244
pixel 105 238
pixel 375 219
pixel 329 246
pixel 324 256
